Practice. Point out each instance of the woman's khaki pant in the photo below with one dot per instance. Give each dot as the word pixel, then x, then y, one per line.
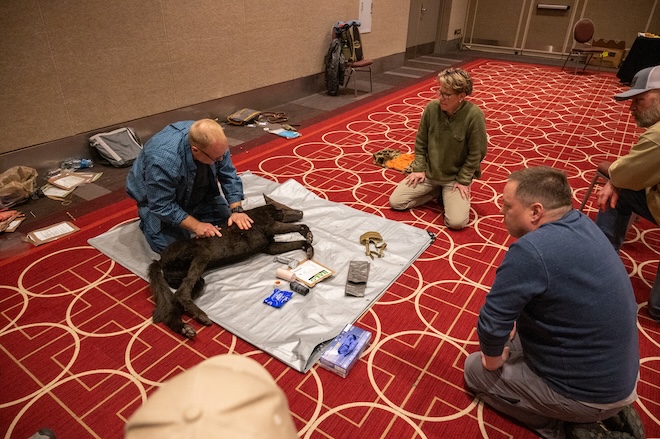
pixel 456 208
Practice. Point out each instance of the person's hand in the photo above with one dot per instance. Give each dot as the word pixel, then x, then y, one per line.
pixel 464 190
pixel 241 219
pixel 607 197
pixel 415 177
pixel 207 230
pixel 494 363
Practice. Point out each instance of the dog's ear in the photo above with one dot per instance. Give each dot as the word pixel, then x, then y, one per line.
pixel 288 215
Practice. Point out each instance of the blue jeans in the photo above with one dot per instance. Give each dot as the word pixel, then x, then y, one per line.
pixel 614 223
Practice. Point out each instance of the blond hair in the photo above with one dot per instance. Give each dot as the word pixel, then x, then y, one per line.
pixel 456 79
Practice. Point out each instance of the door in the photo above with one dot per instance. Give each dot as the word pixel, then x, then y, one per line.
pixel 422 27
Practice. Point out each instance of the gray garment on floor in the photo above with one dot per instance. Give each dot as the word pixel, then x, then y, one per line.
pixel 234 295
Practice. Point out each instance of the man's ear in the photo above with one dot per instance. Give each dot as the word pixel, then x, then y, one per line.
pixel 536 210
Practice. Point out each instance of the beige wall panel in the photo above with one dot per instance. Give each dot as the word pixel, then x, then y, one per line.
pixel 204 41
pixel 72 66
pixel 266 67
pixel 495 22
pixel 101 91
pixel 608 15
pixel 90 25
pixel 548 28
pixel 313 32
pixel 111 58
pixel 32 106
pixel 389 28
pixel 457 14
pixel 196 20
pixel 317 19
pixel 204 70
pixel 274 49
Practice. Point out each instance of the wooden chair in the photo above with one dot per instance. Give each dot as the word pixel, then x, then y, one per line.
pixel 583 33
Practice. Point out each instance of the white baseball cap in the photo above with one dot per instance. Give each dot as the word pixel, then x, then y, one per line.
pixel 643 81
pixel 226 396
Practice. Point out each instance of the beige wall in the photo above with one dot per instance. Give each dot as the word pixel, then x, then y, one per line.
pixel 72 66
pixel 456 18
pixel 517 25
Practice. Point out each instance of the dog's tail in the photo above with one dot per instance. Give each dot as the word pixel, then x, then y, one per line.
pixel 161 292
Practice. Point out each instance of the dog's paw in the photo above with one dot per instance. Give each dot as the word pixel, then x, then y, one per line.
pixel 307 234
pixel 204 319
pixel 188 331
pixel 309 252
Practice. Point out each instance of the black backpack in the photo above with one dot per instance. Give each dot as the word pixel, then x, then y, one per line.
pixel 351 44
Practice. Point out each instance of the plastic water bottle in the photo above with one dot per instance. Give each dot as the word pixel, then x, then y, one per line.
pixel 73 164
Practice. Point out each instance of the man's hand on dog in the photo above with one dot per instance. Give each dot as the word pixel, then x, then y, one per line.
pixel 207 230
pixel 241 219
pixel 200 229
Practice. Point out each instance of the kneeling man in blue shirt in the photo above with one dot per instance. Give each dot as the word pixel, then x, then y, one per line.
pixel 557 332
pixel 175 183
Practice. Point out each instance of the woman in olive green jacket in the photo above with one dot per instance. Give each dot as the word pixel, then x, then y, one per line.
pixel 450 145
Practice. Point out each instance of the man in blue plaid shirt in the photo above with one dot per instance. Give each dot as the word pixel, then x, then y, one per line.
pixel 176 182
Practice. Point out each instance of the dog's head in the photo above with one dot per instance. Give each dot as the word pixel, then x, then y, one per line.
pixel 288 215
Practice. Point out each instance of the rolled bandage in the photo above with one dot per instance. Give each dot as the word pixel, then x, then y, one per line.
pixel 285 274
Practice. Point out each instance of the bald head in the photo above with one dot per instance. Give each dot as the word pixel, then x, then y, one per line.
pixel 207 135
pixel 206 132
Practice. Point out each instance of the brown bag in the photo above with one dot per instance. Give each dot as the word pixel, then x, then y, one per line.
pixel 17 184
pixel 243 117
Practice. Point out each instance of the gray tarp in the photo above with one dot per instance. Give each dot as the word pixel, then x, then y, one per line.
pixel 234 295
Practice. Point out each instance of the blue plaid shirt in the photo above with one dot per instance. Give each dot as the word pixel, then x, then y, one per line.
pixel 162 178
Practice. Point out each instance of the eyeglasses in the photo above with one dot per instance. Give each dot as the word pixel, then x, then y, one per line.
pixel 208 156
pixel 444 95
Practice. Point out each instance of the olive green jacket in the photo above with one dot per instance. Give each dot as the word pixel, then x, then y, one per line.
pixel 451 148
pixel 640 169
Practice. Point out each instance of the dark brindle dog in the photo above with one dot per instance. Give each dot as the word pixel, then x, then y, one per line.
pixel 182 263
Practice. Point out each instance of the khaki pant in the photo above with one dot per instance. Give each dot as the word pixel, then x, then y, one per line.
pixel 456 208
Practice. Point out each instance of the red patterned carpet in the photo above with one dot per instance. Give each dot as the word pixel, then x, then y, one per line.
pixel 79 353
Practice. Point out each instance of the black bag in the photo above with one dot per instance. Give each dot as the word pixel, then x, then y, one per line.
pixel 351 43
pixel 334 67
pixel 119 147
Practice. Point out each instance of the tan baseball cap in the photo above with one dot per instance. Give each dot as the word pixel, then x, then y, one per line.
pixel 227 396
pixel 643 81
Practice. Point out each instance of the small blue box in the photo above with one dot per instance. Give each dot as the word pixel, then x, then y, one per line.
pixel 345 349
